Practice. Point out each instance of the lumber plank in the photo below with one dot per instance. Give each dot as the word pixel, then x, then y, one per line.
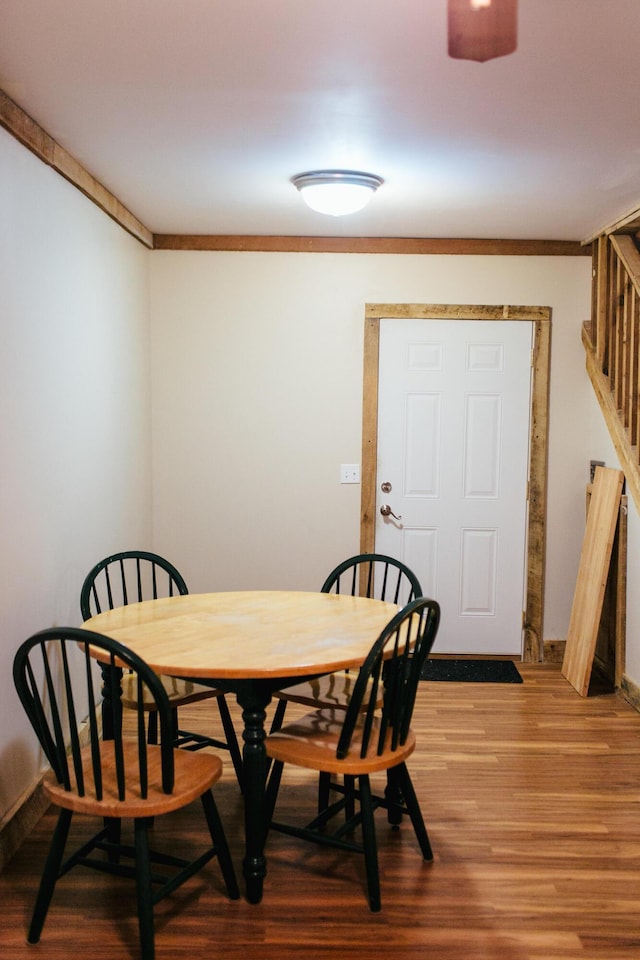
pixel 592 578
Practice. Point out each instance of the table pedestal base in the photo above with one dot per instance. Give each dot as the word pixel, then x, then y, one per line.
pixel 254 699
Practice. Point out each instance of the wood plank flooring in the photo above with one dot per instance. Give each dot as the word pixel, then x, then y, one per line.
pixel 531 796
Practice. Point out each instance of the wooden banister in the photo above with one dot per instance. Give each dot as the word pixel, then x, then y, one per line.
pixel 612 344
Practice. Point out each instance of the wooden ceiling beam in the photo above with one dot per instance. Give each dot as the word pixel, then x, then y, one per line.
pixel 399 245
pixel 630 223
pixel 20 125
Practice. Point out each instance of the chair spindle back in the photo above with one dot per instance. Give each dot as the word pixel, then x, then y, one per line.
pixel 56 677
pixel 129 577
pixel 376 576
pixel 395 661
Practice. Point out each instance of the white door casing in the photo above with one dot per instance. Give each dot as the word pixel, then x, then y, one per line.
pixel 454 404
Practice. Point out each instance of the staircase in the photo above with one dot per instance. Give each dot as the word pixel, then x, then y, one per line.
pixel 612 343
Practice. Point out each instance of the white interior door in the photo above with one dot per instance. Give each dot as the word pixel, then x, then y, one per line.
pixel 454 405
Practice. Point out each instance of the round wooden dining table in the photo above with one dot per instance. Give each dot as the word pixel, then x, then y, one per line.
pixel 250 643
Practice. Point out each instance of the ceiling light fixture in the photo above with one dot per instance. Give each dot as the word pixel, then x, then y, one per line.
pixel 336 192
pixel 482 29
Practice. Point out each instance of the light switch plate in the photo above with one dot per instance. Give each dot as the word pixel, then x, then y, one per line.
pixel 349 473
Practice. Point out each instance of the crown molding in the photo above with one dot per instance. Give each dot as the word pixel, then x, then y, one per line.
pixel 31 135
pixel 390 245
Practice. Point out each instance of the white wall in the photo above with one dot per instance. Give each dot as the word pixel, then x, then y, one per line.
pixel 75 482
pixel 257 368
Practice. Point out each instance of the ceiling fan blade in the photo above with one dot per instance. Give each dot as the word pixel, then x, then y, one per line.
pixel 482 29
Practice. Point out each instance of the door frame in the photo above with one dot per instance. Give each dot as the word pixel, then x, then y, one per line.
pixel 533 645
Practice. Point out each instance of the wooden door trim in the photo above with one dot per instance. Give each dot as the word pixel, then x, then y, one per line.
pixel 533 648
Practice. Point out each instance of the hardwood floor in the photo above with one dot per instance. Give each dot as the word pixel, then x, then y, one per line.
pixel 531 796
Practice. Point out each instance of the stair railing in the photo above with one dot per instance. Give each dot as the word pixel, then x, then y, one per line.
pixel 612 344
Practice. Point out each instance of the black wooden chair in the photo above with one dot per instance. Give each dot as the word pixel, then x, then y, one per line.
pixel 373 575
pixel 133 576
pixel 56 676
pixel 362 740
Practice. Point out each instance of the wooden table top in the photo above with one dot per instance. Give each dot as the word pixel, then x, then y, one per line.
pixel 248 634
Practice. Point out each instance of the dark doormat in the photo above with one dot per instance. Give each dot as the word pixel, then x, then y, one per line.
pixel 471 671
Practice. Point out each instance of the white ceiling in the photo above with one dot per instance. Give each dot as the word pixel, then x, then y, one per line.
pixel 195 113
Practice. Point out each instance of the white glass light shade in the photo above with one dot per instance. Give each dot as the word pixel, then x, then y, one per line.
pixel 336 192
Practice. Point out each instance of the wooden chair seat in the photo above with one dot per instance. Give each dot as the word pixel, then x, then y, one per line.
pixel 312 742
pixel 179 692
pixel 333 691
pixel 195 773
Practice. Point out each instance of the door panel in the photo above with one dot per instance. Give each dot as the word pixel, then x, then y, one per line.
pixel 454 402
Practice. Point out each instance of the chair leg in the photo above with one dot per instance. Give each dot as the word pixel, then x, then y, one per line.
pixel 349 791
pixel 393 796
pixel 144 889
pixel 232 740
pixel 174 722
pixel 324 791
pixel 114 829
pixel 152 727
pixel 220 843
pixel 412 805
pixel 273 786
pixel 49 875
pixel 370 845
pixel 278 717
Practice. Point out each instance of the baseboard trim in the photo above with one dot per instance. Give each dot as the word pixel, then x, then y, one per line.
pixel 630 691
pixel 25 813
pixel 553 651
pixel 20 821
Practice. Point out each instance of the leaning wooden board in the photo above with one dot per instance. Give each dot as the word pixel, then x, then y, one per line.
pixel 592 578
